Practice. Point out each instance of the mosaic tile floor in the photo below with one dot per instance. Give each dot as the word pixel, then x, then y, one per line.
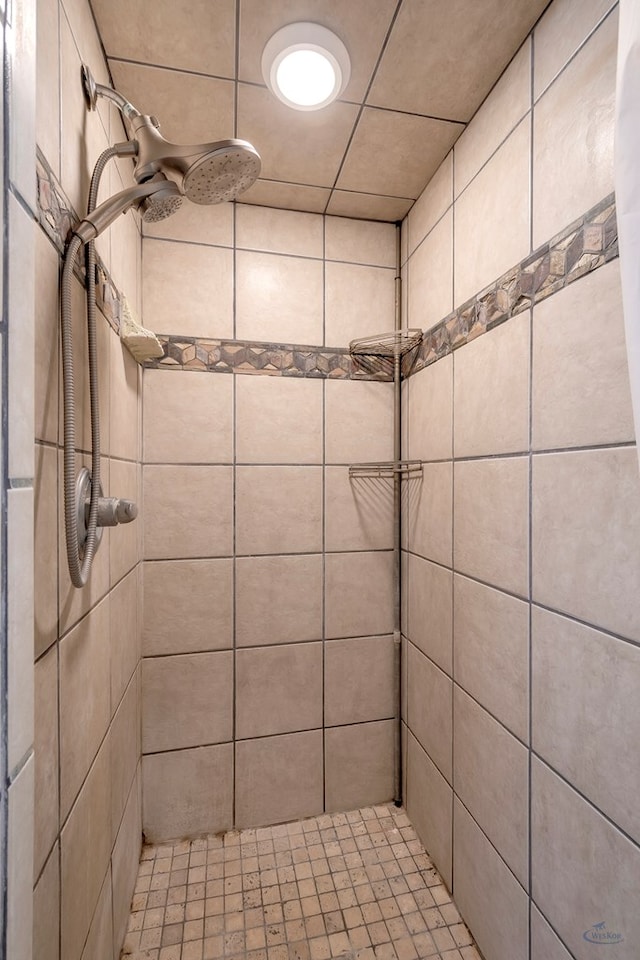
pixel 356 885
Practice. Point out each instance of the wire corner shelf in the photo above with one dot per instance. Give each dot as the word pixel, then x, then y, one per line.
pixel 386 469
pixel 379 353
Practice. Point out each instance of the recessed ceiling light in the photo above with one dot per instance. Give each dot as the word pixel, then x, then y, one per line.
pixel 306 66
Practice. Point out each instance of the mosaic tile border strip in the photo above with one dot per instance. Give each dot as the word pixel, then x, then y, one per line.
pixel 56 216
pixel 582 247
pixel 585 245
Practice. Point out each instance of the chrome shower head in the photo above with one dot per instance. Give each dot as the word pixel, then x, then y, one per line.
pixel 160 205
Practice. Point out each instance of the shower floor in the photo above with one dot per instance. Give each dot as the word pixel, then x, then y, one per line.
pixel 355 885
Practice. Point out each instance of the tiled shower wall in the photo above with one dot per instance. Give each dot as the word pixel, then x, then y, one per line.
pixel 267 672
pixel 522 562
pixel 87 646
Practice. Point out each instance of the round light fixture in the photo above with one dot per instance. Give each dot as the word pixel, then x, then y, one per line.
pixel 306 66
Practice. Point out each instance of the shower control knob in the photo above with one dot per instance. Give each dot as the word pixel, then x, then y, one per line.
pixel 155 122
pixel 112 511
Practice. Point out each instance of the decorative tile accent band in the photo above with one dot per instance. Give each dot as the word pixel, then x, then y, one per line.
pixel 275 359
pixel 585 245
pixel 56 217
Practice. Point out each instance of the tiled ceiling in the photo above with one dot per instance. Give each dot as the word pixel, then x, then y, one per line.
pixel 419 71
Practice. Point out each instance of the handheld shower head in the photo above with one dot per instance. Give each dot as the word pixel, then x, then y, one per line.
pixel 156 199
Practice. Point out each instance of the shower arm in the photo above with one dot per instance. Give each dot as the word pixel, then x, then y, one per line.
pixel 93 90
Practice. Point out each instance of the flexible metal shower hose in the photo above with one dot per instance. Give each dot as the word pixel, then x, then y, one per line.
pixel 79 566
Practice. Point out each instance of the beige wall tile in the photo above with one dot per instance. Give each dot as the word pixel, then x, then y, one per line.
pixel 491 500
pixel 125 753
pixel 81 375
pixel 45 552
pixel 586 722
pixel 278 778
pixel 429 621
pixel 491 391
pixel 187 289
pixel 172 399
pixel 402 173
pixel 190 106
pixel 124 402
pixel 19 878
pixel 559 34
pixel 82 133
pixel 359 301
pixel 489 765
pixel 433 202
pixel 503 109
pixel 567 834
pixel 359 765
pixel 187 512
pixel 586 528
pixel 429 699
pixel 278 599
pixel 491 651
pixel 345 203
pixel 85 700
pixel 287 196
pixel 278 510
pixel 46 911
pixel 278 420
pixel 322 135
pixel 278 298
pixel 20 349
pixel 186 701
pixel 581 390
pixel 545 945
pixel 46 814
pixel 485 888
pixel 47 325
pixel 430 287
pixel 125 625
pixel 358 680
pixel 124 862
pixel 279 231
pixel 196 223
pixel 430 412
pixel 88 828
pixel 201 42
pixel 19 623
pixel 573 137
pixel 495 204
pixel 278 690
pixel 48 79
pixel 358 594
pixel 355 241
pixel 188 606
pixel 429 506
pixel 429 805
pixel 99 945
pixel 187 793
pixel 125 541
pixel 359 421
pixel 358 511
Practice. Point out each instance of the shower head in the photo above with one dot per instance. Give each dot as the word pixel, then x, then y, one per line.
pixel 156 199
pixel 211 172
